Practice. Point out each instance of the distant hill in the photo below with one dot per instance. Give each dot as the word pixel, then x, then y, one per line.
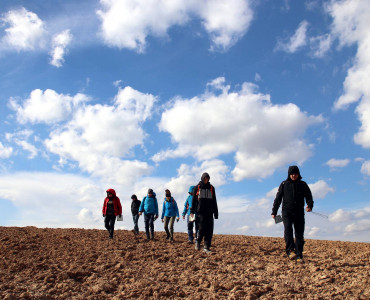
pixel 47 263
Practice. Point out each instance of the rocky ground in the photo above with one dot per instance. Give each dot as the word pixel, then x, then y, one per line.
pixel 83 264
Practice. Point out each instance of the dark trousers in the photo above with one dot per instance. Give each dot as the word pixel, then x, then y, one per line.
pixel 109 223
pixel 205 230
pixel 297 221
pixel 135 218
pixel 191 226
pixel 149 223
pixel 169 221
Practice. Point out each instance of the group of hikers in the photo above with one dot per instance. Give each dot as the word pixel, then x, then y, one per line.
pixel 201 209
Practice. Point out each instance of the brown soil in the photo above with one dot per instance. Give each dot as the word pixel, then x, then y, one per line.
pixel 83 264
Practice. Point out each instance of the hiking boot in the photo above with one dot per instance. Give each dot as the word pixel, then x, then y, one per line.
pixel 300 260
pixel 292 255
pixel 206 250
pixel 197 246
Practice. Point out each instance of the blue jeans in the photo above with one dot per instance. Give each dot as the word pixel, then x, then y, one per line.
pixel 149 223
pixel 135 218
pixel 191 226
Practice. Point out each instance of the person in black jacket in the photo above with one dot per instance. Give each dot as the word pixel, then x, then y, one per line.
pixel 204 206
pixel 135 204
pixel 293 192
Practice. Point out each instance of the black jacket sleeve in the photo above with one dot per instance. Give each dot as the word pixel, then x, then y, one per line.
pixel 194 201
pixel 308 196
pixel 215 208
pixel 278 199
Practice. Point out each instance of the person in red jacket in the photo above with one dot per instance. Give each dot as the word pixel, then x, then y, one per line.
pixel 111 208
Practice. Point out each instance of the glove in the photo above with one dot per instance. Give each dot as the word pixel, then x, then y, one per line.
pixel 216 217
pixel 120 216
pixel 103 216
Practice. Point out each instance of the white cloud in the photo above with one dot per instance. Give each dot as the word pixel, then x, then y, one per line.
pixel 320 189
pixel 263 136
pixel 25 30
pixel 28 147
pixel 5 152
pixel 59 45
pixel 365 168
pixel 98 136
pixel 128 23
pixel 320 45
pixel 296 41
pixel 362 225
pixel 313 231
pixel 340 216
pixel 337 163
pixel 46 107
pixel 351 25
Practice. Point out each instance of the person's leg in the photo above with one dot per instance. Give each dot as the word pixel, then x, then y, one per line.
pixel 196 222
pixel 146 221
pixel 166 221
pixel 299 224
pixel 106 223
pixel 208 232
pixel 137 224
pixel 111 225
pixel 202 228
pixel 288 234
pixel 190 229
pixel 172 221
pixel 151 225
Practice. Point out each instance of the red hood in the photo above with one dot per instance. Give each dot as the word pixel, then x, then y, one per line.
pixel 112 191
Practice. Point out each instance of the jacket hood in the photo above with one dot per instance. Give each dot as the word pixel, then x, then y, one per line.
pixel 205 175
pixel 191 189
pixel 154 195
pixel 292 170
pixel 112 191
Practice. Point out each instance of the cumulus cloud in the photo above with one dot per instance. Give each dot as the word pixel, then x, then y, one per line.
pixel 59 45
pixel 262 135
pixel 362 225
pixel 365 168
pixel 296 41
pixel 337 163
pixel 351 25
pixel 320 189
pixel 99 136
pixel 24 31
pixel 46 107
pixel 5 152
pixel 128 23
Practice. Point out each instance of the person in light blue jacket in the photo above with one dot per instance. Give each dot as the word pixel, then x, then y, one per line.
pixel 170 211
pixel 186 212
pixel 149 206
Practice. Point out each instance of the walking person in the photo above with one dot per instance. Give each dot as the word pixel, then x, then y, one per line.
pixel 186 212
pixel 204 205
pixel 170 211
pixel 111 208
pixel 149 206
pixel 293 192
pixel 135 205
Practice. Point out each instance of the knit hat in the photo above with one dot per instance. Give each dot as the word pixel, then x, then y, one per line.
pixel 133 197
pixel 150 191
pixel 168 193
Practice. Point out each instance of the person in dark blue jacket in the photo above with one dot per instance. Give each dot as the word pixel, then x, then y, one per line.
pixel 170 211
pixel 186 212
pixel 149 206
pixel 293 192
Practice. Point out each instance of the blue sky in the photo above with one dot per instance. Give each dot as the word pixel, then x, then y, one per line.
pixel 133 95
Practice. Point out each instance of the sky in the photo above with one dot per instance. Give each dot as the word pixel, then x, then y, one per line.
pixel 132 95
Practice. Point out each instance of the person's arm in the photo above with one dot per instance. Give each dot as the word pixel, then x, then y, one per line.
pixel 177 210
pixel 194 201
pixel 103 211
pixel 185 208
pixel 141 208
pixel 308 197
pixel 278 199
pixel 156 206
pixel 215 207
pixel 163 208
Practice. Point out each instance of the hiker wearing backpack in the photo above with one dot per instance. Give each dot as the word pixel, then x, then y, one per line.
pixel 293 192
pixel 135 205
pixel 149 206
pixel 170 211
pixel 204 205
pixel 111 208
pixel 186 212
